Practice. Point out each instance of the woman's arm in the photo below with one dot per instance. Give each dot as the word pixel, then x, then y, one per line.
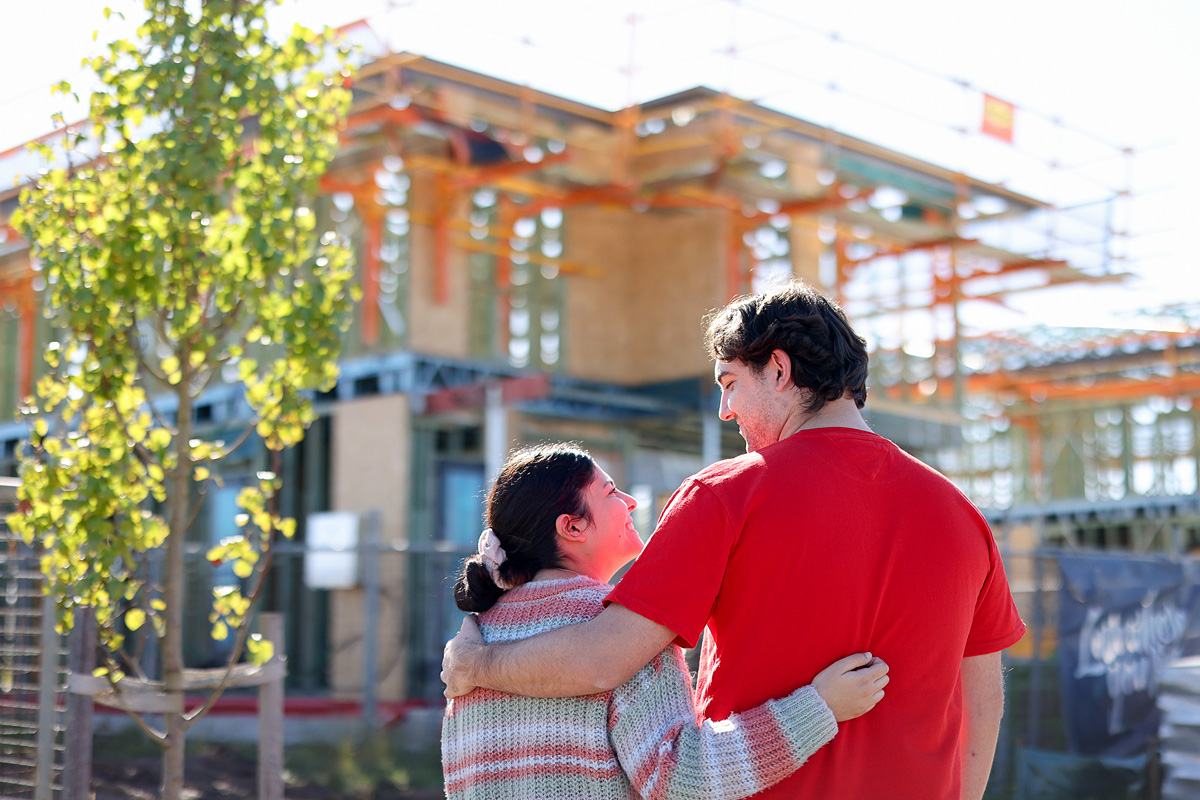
pixel 668 756
pixel 593 656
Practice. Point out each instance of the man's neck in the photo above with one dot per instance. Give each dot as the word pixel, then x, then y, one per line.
pixel 843 413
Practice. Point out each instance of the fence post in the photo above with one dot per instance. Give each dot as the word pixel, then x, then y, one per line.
pixel 371 623
pixel 710 432
pixel 270 715
pixel 77 771
pixel 47 702
pixel 1002 764
pixel 1035 676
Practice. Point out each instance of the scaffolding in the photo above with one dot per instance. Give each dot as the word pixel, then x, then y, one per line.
pixel 908 248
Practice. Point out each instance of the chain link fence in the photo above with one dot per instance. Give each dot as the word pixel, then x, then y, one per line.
pixel 1110 594
pixel 404 597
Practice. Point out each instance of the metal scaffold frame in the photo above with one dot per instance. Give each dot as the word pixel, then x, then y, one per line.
pixel 904 245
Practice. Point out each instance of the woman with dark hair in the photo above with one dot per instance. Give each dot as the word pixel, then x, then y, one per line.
pixel 558 529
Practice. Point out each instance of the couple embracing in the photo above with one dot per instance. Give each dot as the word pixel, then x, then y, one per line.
pixel 821 565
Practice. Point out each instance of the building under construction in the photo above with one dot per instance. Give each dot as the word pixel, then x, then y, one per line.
pixel 535 268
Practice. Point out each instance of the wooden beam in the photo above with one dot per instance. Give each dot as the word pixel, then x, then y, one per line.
pixel 372 243
pixel 1123 389
pixel 915 247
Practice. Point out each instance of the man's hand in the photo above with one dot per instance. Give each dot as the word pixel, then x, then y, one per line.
pixel 571 661
pixel 460 659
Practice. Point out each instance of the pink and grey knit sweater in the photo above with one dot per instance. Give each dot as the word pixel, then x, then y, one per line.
pixel 640 740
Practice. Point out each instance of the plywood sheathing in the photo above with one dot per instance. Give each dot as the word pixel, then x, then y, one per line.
pixel 370 466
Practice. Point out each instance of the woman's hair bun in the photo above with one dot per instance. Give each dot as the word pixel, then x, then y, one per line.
pixel 475 590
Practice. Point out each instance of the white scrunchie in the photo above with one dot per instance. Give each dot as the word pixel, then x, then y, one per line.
pixel 493 556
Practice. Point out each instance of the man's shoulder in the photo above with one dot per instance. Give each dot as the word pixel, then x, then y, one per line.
pixel 747 466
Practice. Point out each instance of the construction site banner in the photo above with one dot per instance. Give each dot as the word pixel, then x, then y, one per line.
pixel 1122 620
pixel 998 118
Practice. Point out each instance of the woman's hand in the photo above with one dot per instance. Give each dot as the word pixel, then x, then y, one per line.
pixel 852 686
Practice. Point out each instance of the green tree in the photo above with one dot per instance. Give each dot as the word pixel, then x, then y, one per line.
pixel 178 248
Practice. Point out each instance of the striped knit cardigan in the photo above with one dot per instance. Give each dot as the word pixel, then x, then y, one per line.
pixel 641 739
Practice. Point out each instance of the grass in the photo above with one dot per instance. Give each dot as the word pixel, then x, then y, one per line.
pixel 358 768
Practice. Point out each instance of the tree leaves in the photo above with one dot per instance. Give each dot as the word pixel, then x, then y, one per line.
pixel 187 247
pixel 261 650
pixel 134 618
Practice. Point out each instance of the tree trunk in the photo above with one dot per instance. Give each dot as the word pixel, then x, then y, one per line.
pixel 178 496
pixel 172 767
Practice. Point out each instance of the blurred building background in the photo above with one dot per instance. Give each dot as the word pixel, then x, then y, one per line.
pixel 537 268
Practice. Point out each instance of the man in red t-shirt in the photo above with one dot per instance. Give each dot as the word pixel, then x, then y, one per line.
pixel 823 540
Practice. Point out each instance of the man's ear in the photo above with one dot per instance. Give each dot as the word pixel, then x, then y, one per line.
pixel 570 528
pixel 780 370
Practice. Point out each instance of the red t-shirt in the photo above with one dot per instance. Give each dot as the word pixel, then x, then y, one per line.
pixel 830 542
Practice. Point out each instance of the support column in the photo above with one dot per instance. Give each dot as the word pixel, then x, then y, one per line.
pixel 372 218
pixel 371 589
pixel 77 770
pixel 27 341
pixel 47 701
pixel 495 432
pixel 710 430
pixel 270 715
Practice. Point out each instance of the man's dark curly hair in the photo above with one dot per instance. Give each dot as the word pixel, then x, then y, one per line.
pixel 828 358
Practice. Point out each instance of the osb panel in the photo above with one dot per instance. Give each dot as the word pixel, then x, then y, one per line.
pixel 436 328
pixel 462 107
pixel 592 153
pixel 694 149
pixel 370 462
pixel 370 455
pixel 680 277
pixel 804 159
pixel 597 347
pixel 662 273
pixel 345 642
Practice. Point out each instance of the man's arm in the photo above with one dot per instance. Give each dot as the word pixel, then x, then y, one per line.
pixel 594 656
pixel 983 705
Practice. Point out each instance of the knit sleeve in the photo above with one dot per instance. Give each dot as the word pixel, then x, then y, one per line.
pixel 668 755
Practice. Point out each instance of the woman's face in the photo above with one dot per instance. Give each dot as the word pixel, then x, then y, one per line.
pixel 613 540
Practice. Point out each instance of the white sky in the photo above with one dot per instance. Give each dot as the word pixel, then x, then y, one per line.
pixel 1113 73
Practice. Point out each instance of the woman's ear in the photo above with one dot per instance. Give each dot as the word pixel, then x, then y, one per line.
pixel 570 528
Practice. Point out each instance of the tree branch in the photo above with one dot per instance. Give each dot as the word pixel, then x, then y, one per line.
pixel 231 449
pixel 138 447
pixel 141 357
pixel 221 331
pixel 162 423
pixel 144 364
pixel 203 386
pixel 155 735
pixel 243 630
pixel 196 509
pixel 131 661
